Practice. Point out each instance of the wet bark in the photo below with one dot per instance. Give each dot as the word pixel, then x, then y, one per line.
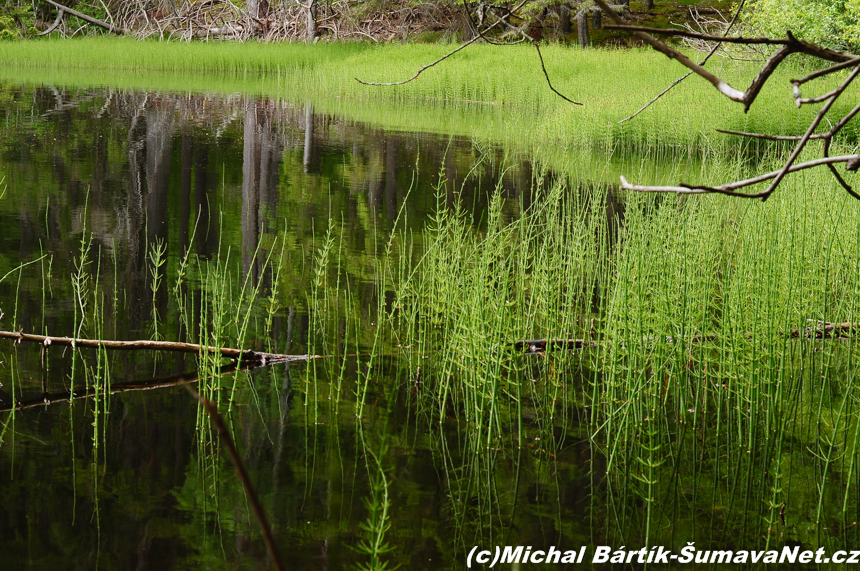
pixel 187 162
pixel 307 159
pixel 390 179
pixel 258 8
pixel 159 145
pixel 205 203
pixel 468 27
pixel 160 126
pixel 134 213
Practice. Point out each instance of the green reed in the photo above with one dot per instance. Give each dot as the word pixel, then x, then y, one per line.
pixel 156 252
pixel 693 374
pixel 377 502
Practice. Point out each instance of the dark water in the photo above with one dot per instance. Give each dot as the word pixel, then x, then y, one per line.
pixel 204 218
pixel 129 480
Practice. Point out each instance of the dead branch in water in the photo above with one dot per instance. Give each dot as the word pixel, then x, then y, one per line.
pixel 115 388
pixel 821 330
pixel 227 440
pixel 244 355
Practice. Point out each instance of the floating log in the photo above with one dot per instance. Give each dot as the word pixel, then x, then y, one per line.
pixel 826 330
pixel 145 345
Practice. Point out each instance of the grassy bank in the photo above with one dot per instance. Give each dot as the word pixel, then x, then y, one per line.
pixel 493 93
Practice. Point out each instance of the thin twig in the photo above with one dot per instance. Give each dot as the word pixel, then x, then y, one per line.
pixel 730 188
pixel 114 388
pixel 809 131
pixel 548 82
pixel 443 58
pixel 826 71
pixel 770 137
pixel 689 73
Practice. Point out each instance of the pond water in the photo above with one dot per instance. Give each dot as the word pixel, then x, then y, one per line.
pixel 203 218
pixel 211 174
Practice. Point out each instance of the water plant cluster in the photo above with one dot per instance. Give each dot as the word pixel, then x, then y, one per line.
pixel 619 367
pixel 715 399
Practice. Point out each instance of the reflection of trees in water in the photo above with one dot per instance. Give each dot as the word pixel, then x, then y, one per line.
pixel 261 160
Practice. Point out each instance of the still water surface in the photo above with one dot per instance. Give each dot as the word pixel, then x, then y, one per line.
pixel 186 217
pixel 128 481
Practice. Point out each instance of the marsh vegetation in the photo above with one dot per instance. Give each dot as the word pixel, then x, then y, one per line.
pixel 424 240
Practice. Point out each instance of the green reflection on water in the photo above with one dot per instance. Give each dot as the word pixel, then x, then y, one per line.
pixel 414 261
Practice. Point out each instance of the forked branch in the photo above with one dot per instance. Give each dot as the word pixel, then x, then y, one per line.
pixel 786 47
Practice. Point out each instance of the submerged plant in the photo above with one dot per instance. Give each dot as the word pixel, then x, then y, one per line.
pixel 156 253
pixel 372 531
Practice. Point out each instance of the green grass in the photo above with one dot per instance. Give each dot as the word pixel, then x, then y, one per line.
pixel 494 93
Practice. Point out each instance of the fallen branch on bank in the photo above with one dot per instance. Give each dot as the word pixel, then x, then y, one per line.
pixel 244 355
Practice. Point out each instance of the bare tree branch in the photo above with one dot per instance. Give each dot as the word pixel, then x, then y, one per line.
pixel 770 137
pixel 731 188
pixel 60 13
pixel 481 34
pixel 147 345
pixel 548 82
pixel 821 73
pixel 423 67
pixel 86 18
pixel 212 410
pixel 714 49
pixel 812 126
pixel 787 46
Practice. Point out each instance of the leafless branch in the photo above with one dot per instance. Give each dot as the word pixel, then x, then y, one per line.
pixel 787 46
pixel 770 137
pixel 732 187
pixel 548 82
pixel 57 22
pixel 212 410
pixel 85 18
pixel 424 67
pixel 148 345
pixel 689 73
